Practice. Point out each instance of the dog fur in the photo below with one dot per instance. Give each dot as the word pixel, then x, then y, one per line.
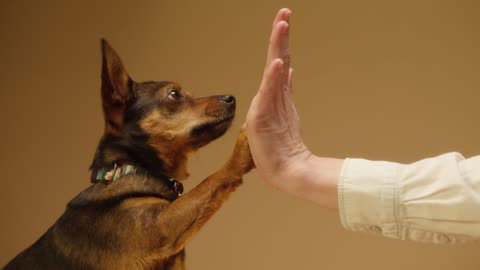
pixel 138 221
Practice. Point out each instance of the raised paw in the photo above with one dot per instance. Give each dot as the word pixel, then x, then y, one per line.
pixel 241 161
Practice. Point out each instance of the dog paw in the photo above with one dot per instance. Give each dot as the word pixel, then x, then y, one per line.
pixel 241 161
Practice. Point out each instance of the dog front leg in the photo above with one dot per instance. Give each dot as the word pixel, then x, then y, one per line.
pixel 186 215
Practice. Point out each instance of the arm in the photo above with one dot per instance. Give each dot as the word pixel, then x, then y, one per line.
pixel 434 200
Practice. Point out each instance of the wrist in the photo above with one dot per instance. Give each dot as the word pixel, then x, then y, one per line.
pixel 315 179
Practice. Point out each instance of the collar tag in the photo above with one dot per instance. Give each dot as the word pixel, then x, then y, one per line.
pixel 176 186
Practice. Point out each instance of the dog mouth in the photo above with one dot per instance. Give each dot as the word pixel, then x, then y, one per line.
pixel 215 128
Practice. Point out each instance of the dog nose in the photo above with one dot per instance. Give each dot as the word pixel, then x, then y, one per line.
pixel 228 99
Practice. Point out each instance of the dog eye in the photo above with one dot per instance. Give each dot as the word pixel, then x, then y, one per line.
pixel 174 94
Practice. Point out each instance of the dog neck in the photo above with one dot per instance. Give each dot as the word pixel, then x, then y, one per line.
pixel 108 175
pixel 132 185
pixel 175 165
pixel 169 162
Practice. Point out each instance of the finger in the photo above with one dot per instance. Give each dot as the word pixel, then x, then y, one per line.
pixel 279 39
pixel 288 93
pixel 272 79
pixel 279 47
pixel 290 77
pixel 282 15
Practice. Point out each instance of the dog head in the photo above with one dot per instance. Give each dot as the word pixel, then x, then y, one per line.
pixel 155 124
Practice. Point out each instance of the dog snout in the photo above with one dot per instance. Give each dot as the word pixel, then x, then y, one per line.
pixel 229 99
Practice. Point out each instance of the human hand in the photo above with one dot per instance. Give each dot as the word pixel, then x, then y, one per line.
pixel 273 124
pixel 273 130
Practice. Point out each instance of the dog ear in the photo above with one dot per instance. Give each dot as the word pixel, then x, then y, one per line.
pixel 116 87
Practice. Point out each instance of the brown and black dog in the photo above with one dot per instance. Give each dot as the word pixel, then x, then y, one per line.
pixel 139 220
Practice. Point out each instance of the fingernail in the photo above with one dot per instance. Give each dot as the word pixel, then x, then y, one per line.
pixel 287 11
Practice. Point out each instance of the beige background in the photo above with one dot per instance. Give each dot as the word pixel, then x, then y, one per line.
pixel 394 80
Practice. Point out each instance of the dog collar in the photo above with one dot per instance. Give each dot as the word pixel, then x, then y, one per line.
pixel 107 175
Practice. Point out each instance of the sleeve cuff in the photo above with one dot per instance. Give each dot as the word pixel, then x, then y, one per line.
pixel 367 196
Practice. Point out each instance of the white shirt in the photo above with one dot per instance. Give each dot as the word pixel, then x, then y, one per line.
pixel 434 200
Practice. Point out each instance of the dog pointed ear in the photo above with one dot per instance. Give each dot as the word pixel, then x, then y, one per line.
pixel 116 86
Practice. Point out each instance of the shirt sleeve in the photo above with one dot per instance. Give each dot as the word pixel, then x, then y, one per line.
pixel 435 200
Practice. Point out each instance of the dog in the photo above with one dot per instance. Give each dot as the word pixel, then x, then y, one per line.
pixel 134 215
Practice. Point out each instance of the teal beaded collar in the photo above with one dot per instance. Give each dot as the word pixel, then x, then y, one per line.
pixel 107 175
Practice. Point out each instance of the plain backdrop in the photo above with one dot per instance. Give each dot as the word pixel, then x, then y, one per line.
pixel 387 80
